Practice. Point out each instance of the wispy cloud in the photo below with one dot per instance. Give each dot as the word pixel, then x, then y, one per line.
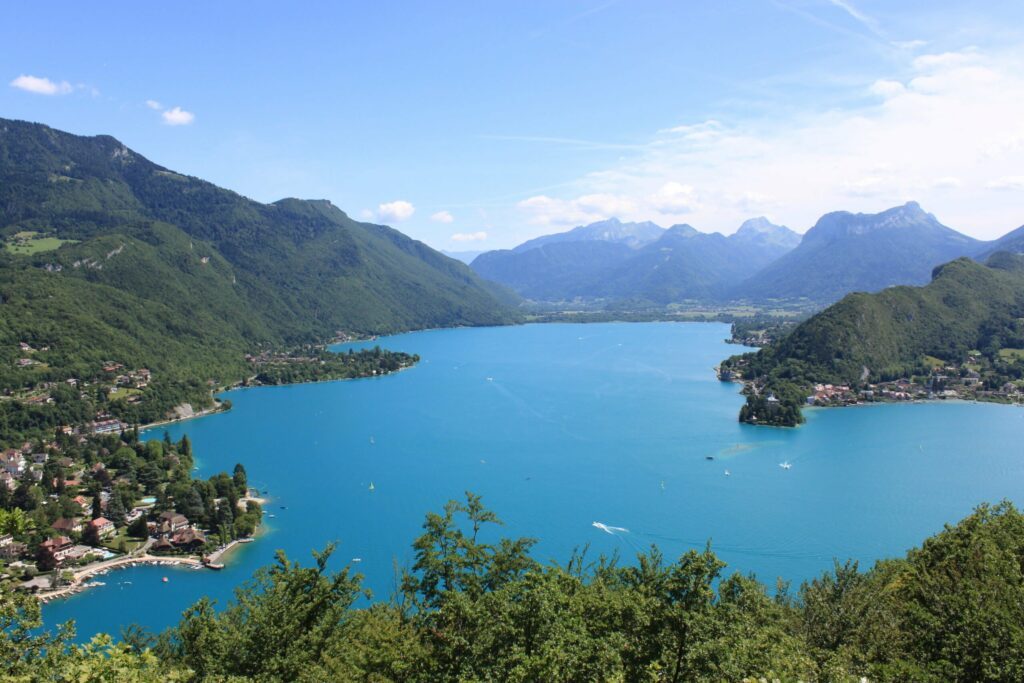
pixel 442 217
pixel 41 86
pixel 1007 183
pixel 938 128
pixel 153 104
pixel 177 116
pixel 857 15
pixel 567 142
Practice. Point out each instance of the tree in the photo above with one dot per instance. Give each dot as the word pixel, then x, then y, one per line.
pixel 241 480
pixel 279 628
pixel 139 528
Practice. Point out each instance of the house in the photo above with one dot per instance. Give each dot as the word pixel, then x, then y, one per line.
pixel 12 551
pixel 161 545
pixel 102 526
pixel 189 538
pixel 107 426
pixel 68 526
pixel 7 480
pixel 13 462
pixel 170 522
pixel 83 502
pixel 59 548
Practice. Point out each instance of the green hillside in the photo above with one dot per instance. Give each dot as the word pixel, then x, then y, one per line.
pixel 110 257
pixel 875 337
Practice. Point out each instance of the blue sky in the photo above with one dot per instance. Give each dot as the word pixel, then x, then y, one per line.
pixel 476 125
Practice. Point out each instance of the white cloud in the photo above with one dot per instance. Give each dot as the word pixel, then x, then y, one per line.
pixel 442 217
pixel 153 104
pixel 469 236
pixel 1007 183
pixel 887 88
pixel 395 211
pixel 868 186
pixel 674 198
pixel 178 117
pixel 952 120
pixel 945 183
pixel 41 86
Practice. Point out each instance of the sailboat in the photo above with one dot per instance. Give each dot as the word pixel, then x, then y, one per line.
pixel 372 487
pixel 727 473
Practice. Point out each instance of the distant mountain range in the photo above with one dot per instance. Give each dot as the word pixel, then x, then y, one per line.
pixel 761 262
pixel 615 260
pixel 846 252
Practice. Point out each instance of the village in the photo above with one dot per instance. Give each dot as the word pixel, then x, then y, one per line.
pixel 113 382
pixel 85 503
pixel 946 381
pixel 972 380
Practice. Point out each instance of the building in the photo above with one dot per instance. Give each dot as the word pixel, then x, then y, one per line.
pixel 189 539
pixel 59 548
pixel 102 526
pixel 170 522
pixel 12 551
pixel 67 526
pixel 12 461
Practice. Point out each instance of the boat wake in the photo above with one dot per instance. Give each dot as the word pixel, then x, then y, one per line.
pixel 613 530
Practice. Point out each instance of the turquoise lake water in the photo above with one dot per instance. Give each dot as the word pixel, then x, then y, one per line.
pixel 560 426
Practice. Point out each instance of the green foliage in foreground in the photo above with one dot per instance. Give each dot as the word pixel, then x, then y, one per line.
pixel 470 610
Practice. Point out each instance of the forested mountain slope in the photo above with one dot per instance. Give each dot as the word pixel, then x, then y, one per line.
pixel 110 257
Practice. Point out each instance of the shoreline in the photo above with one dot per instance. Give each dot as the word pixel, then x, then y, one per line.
pixel 80 580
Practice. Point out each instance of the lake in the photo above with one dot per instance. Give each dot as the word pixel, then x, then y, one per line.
pixel 559 426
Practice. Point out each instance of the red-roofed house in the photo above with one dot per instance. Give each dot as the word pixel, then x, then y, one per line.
pixel 102 526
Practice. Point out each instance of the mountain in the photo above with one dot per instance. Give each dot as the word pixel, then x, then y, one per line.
pixel 553 272
pixel 846 252
pixel 967 307
pixel 681 263
pixel 109 256
pixel 612 230
pixel 1012 242
pixel 464 256
pixel 760 232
